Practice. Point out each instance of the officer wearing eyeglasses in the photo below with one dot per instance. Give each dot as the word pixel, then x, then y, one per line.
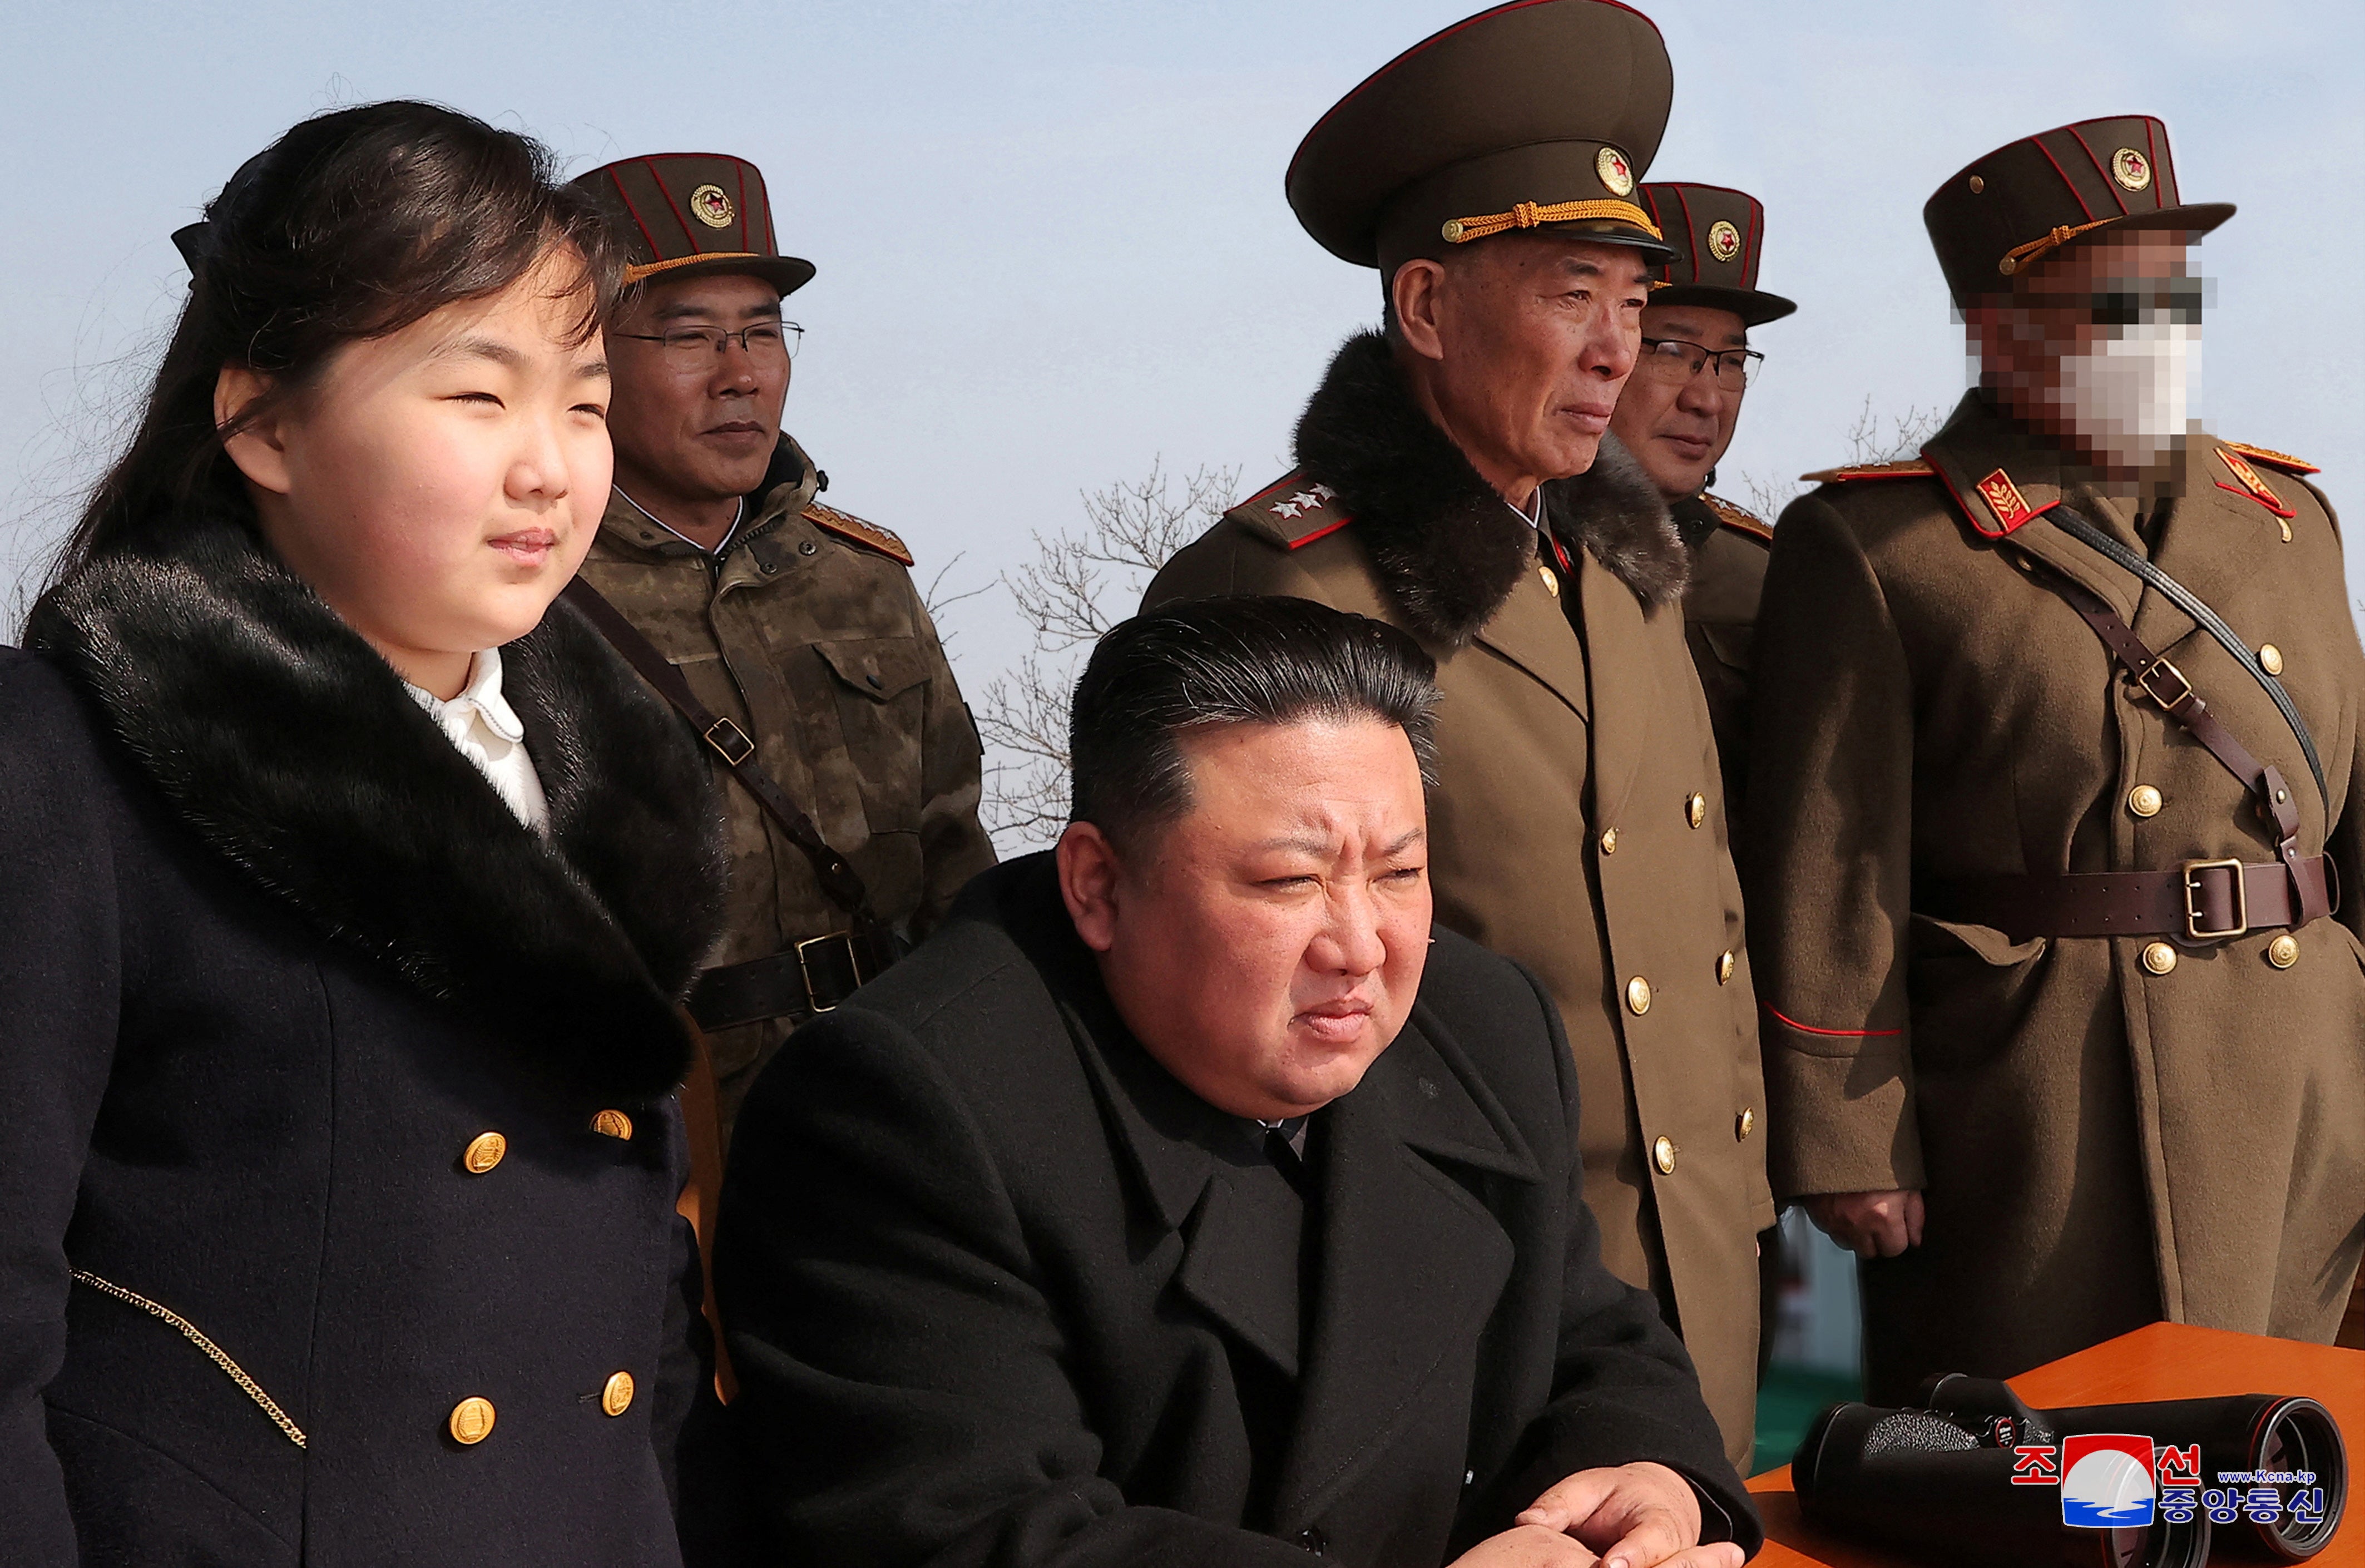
pixel 1676 416
pixel 797 622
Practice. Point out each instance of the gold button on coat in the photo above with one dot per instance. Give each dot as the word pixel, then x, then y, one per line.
pixel 615 1123
pixel 1746 1124
pixel 2144 801
pixel 1724 967
pixel 2270 658
pixel 1550 582
pixel 1609 841
pixel 1696 808
pixel 2158 958
pixel 1638 995
pixel 617 1396
pixel 2284 951
pixel 1662 1154
pixel 472 1421
pixel 484 1152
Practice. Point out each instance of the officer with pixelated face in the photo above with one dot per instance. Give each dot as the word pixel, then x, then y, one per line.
pixel 2054 848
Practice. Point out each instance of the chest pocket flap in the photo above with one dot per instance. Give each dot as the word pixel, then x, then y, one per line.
pixel 880 668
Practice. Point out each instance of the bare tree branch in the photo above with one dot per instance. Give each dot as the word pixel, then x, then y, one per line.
pixel 1077 587
pixel 936 601
pixel 1868 443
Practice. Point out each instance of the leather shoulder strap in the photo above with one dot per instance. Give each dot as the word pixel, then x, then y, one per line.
pixel 2166 685
pixel 837 877
pixel 2208 620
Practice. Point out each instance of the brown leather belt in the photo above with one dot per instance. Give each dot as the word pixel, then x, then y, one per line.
pixel 812 977
pixel 2202 901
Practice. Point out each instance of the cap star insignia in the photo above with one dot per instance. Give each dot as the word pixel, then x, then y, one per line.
pixel 1617 175
pixel 711 208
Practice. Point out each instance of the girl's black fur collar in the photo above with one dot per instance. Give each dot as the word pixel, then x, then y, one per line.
pixel 1438 535
pixel 288 745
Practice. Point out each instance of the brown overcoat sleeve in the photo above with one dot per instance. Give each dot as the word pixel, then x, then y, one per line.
pixel 1829 863
pixel 2346 844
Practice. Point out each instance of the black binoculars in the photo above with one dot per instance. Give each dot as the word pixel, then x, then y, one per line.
pixel 1970 1474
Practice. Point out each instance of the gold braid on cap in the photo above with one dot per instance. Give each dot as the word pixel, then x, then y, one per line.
pixel 1528 215
pixel 2021 255
pixel 639 270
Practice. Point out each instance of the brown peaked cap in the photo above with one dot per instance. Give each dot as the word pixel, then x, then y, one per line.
pixel 1721 232
pixel 693 214
pixel 2008 210
pixel 1539 112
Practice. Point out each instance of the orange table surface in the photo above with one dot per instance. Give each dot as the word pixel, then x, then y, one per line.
pixel 2163 1360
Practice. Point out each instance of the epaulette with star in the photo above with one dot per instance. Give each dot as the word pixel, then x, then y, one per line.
pixel 2273 459
pixel 1904 468
pixel 1293 513
pixel 1741 520
pixel 846 525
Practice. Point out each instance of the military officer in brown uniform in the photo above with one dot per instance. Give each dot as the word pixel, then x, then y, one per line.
pixel 1678 414
pixel 795 625
pixel 1457 480
pixel 2055 841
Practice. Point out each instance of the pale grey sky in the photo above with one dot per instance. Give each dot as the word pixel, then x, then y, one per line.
pixel 1051 238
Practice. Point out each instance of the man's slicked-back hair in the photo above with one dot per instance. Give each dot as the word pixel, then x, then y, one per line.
pixel 1227 661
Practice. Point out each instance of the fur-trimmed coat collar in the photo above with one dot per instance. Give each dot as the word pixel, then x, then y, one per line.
pixel 288 745
pixel 1438 536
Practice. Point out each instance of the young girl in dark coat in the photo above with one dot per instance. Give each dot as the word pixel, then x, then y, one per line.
pixel 347 886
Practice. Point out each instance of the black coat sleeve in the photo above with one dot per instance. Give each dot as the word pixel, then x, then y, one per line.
pixel 902 1383
pixel 60 980
pixel 1623 1387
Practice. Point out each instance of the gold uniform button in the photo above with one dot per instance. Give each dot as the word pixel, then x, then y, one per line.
pixel 2158 958
pixel 484 1152
pixel 1696 808
pixel 2145 800
pixel 1724 967
pixel 2270 658
pixel 1638 995
pixel 1662 1154
pixel 471 1421
pixel 1746 1124
pixel 614 1124
pixel 617 1396
pixel 1609 841
pixel 1551 584
pixel 2284 951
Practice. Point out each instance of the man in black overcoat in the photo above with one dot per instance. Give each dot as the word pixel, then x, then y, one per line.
pixel 1184 1199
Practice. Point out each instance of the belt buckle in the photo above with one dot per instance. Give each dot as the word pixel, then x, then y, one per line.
pixel 2144 680
pixel 730 742
pixel 2193 926
pixel 852 964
